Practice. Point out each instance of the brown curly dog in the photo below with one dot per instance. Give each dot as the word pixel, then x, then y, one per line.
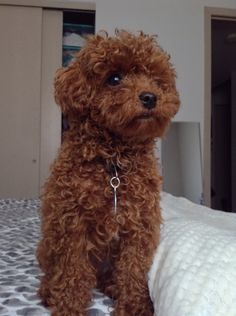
pixel 100 210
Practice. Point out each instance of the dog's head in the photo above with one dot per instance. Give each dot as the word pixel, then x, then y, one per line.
pixel 125 84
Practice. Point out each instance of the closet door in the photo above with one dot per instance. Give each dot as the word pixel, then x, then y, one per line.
pixel 20 78
pixel 50 113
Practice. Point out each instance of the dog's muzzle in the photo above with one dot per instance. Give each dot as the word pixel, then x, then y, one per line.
pixel 148 100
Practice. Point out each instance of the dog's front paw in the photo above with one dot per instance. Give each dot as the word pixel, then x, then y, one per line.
pixel 131 309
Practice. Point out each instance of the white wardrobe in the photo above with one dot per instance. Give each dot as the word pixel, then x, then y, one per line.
pixel 30 122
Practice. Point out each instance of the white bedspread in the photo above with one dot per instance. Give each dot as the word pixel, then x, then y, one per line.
pixel 194 269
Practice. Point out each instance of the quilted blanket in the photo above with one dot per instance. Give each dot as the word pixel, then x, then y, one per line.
pixel 194 268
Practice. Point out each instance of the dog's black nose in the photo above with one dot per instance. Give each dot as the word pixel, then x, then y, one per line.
pixel 148 100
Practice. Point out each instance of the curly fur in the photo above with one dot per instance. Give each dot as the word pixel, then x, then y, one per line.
pixel 84 244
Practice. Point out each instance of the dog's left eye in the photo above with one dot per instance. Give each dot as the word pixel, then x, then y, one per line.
pixel 158 82
pixel 114 79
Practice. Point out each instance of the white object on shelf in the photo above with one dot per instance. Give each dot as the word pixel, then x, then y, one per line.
pixel 73 39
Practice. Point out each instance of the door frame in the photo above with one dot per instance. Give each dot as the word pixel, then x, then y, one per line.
pixel 209 14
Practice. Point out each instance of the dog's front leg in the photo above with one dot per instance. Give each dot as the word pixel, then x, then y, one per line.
pixel 66 287
pixel 130 277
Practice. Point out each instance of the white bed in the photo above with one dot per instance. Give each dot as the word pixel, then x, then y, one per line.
pixel 193 273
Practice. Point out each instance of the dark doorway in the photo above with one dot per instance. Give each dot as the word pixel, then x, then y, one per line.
pixel 223 145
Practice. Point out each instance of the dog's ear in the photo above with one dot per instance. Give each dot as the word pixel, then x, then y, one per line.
pixel 71 90
pixel 74 85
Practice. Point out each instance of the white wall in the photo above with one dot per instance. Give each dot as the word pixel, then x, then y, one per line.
pixel 171 164
pixel 190 158
pixel 181 161
pixel 181 30
pixel 180 27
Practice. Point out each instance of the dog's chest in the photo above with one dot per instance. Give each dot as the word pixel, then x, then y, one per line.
pixel 136 204
pixel 136 209
pixel 114 195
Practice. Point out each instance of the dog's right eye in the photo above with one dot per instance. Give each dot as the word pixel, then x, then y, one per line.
pixel 114 79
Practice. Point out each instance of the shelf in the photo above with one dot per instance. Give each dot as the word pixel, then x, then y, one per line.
pixel 71 47
pixel 78 26
pixel 74 33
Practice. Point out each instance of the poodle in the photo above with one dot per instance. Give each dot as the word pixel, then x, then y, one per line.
pixel 100 206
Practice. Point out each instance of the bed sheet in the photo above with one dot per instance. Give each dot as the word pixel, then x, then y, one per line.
pixel 19 272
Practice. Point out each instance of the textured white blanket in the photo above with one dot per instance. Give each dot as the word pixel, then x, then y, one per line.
pixel 194 269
